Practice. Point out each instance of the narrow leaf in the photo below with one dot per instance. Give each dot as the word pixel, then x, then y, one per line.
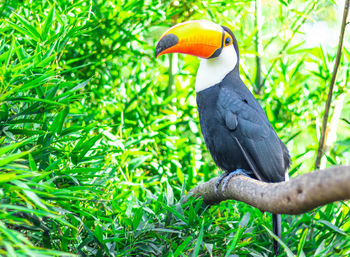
pixel 48 23
pixel 182 246
pixel 31 31
pixel 333 227
pixel 199 242
pixel 12 158
pixel 286 248
pixel 10 52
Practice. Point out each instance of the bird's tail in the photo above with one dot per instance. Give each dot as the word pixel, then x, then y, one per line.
pixel 277 229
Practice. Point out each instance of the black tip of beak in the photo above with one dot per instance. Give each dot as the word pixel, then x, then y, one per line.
pixel 166 42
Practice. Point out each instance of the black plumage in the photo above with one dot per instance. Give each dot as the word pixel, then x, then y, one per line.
pixel 238 134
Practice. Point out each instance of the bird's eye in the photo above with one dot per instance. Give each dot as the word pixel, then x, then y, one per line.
pixel 227 41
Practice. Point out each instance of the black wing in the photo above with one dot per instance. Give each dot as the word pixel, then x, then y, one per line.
pixel 257 139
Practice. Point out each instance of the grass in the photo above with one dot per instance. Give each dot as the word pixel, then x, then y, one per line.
pixel 98 150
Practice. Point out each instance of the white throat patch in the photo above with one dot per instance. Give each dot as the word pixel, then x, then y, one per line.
pixel 213 71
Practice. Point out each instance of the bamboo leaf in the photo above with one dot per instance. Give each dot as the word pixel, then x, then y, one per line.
pixel 57 124
pixel 333 227
pixel 10 52
pixel 12 157
pixel 48 23
pixel 30 194
pixel 199 242
pixel 33 99
pixel 30 30
pixel 46 61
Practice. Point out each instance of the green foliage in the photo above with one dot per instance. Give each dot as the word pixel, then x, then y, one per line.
pixel 98 149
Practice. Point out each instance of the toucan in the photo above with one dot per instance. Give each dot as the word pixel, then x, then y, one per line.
pixel 235 128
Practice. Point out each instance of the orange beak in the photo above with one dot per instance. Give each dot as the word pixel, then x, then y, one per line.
pixel 199 38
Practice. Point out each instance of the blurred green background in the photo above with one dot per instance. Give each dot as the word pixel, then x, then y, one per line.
pixel 100 142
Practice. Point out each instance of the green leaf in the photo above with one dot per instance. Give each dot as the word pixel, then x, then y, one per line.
pixel 21 54
pixel 333 227
pixel 170 194
pixel 81 148
pixel 98 232
pixel 285 247
pixel 6 177
pixel 11 158
pixel 321 247
pixel 4 112
pixel 21 30
pixel 245 220
pixel 175 212
pixel 46 61
pixel 32 163
pixel 37 82
pixel 70 130
pixel 10 52
pixel 42 213
pixel 234 241
pixel 30 99
pixel 87 146
pixel 27 132
pixel 30 194
pixel 57 124
pixel 30 29
pixel 137 218
pixel 48 23
pixel 199 242
pixel 182 246
pixel 239 232
pixel 10 147
pixel 302 242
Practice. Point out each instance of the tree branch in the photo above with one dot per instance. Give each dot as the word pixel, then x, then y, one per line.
pixel 331 88
pixel 295 196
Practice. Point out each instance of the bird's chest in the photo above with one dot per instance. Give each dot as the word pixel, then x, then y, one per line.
pixel 209 116
pixel 217 136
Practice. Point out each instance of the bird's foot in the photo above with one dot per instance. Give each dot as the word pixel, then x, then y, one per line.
pixel 218 181
pixel 225 178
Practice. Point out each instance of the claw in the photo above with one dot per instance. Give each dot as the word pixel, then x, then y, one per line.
pixel 218 181
pixel 232 174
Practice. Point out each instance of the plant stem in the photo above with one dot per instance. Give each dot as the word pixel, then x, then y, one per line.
pixel 331 87
pixel 258 45
pixel 170 75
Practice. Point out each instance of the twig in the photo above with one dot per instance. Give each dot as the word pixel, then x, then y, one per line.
pixel 295 196
pixel 331 88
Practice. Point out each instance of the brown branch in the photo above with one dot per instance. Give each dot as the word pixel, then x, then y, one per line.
pixel 295 196
pixel 331 88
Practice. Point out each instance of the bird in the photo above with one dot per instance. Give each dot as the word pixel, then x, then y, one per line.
pixel 234 126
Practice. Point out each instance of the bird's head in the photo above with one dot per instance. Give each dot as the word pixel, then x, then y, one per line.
pixel 200 38
pixel 214 44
